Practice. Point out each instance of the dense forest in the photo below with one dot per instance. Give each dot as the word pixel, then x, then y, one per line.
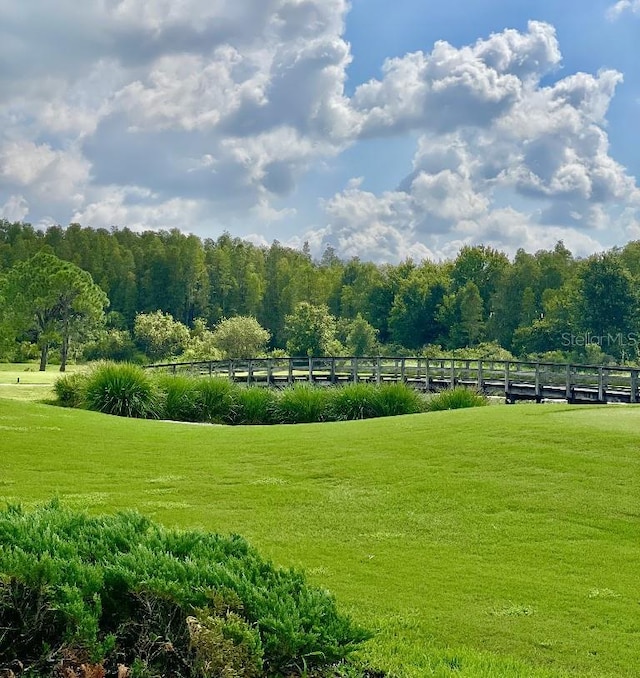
pixel 548 304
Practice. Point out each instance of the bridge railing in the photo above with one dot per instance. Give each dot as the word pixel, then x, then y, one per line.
pixel 519 377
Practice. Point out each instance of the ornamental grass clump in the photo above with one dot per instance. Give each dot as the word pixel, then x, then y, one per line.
pixel 456 398
pixel 70 389
pixel 302 404
pixel 253 405
pixel 197 399
pixel 119 595
pixel 122 389
pixel 215 397
pixel 180 400
pixel 396 399
pixel 354 401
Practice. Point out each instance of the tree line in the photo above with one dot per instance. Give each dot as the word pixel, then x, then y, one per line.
pixel 548 304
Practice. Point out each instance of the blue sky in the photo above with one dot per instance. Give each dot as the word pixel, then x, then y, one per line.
pixel 387 130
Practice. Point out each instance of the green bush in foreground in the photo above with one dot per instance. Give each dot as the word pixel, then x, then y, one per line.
pixel 121 389
pixel 109 590
pixel 455 399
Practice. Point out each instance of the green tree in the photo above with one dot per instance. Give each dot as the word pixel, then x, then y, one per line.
pixel 482 266
pixel 310 330
pixel 55 301
pixel 507 303
pixel 415 318
pixel 6 334
pixel 361 338
pixel 201 344
pixel 470 304
pixel 608 302
pixel 240 337
pixel 159 336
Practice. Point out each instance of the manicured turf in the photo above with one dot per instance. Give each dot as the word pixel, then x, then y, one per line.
pixel 23 381
pixel 498 541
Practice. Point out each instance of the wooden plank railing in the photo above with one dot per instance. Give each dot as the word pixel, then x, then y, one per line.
pixel 514 379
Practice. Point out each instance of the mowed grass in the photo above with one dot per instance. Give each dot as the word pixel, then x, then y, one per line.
pixel 499 541
pixel 23 381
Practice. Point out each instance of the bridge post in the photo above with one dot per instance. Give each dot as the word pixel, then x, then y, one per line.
pixel 354 370
pixel 403 370
pixel 452 379
pixel 538 385
pixel 269 371
pixel 427 385
pixel 507 395
pixel 568 389
pixel 310 369
pixel 230 370
pixel 378 371
pixel 601 396
pixel 634 386
pixel 290 375
pixel 210 368
pixel 333 370
pixel 480 377
pixel 249 371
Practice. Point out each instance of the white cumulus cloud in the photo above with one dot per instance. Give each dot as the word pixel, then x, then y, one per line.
pixel 201 113
pixel 621 7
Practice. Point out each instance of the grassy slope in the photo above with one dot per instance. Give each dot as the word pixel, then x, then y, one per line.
pixel 466 538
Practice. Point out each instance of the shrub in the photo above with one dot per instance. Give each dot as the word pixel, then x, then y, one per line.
pixel 121 389
pixel 70 389
pixel 303 403
pixel 253 405
pixel 454 399
pixel 224 645
pixel 78 589
pixel 354 401
pixel 113 344
pixel 240 337
pixel 396 399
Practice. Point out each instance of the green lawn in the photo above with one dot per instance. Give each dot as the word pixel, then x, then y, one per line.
pixel 499 541
pixel 23 381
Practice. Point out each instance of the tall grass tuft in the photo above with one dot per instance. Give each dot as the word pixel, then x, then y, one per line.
pixel 354 401
pixel 70 389
pixel 254 405
pixel 302 404
pixel 454 399
pixel 121 389
pixel 180 401
pixel 216 398
pixel 395 399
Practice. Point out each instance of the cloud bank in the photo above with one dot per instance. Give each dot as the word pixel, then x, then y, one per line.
pixel 161 114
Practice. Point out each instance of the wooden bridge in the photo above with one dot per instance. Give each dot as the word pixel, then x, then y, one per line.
pixel 514 380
